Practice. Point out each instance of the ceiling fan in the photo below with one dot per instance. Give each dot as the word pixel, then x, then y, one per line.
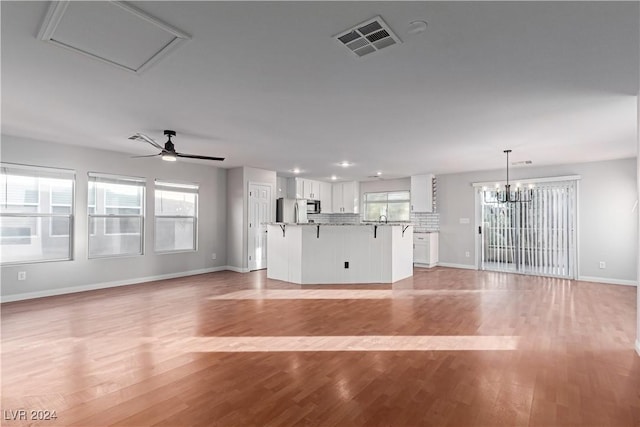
pixel 168 152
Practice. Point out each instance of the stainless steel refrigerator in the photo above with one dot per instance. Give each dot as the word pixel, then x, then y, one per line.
pixel 291 210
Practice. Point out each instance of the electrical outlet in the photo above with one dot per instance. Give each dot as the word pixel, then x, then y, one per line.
pixel 467 254
pixel 213 256
pixel 22 275
pixel 603 264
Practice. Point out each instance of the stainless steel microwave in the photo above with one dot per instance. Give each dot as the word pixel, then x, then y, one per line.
pixel 313 206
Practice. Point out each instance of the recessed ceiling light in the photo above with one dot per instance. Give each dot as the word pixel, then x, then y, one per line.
pixel 378 173
pixel 333 177
pixel 294 170
pixel 345 164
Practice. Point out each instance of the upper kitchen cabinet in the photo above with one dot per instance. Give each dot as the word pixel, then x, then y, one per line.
pixel 326 197
pixel 422 193
pixel 301 188
pixel 346 197
pixel 311 189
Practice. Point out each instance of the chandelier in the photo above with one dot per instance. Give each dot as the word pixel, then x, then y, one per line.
pixel 507 195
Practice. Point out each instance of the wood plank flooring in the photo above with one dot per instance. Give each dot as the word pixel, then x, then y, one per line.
pixel 446 347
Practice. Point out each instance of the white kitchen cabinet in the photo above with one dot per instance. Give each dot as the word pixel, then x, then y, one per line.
pixel 311 189
pixel 422 193
pixel 301 188
pixel 326 197
pixel 346 197
pixel 425 249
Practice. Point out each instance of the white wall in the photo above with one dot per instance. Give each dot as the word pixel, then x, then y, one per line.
pixel 83 273
pixel 238 211
pixel 608 227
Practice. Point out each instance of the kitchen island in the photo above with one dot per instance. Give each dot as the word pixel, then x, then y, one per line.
pixel 339 253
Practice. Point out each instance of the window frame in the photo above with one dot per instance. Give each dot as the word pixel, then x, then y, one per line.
pixel 107 206
pixel 176 187
pixel 57 205
pixel 95 178
pixel 41 172
pixel 386 203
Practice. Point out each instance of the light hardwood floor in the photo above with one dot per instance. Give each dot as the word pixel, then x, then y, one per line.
pixel 446 347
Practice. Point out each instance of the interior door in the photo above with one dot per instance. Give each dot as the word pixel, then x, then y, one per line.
pixel 260 213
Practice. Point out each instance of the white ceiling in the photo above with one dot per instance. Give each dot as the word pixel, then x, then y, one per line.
pixel 265 85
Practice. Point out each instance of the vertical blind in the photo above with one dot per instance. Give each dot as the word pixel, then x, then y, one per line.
pixel 538 237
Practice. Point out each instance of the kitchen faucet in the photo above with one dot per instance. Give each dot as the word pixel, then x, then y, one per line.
pixel 385 219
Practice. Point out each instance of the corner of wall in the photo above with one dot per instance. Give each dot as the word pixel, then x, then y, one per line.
pixel 235 215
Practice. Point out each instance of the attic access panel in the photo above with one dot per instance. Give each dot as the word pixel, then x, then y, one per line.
pixel 114 32
pixel 368 37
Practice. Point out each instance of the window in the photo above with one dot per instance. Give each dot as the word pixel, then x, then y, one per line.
pixel 91 208
pixel 176 217
pixel 115 205
pixel 394 205
pixel 61 199
pixel 37 213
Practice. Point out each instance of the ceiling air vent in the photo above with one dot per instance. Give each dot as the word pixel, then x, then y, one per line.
pixel 368 37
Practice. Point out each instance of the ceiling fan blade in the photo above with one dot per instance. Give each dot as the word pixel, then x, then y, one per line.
pixel 150 155
pixel 195 156
pixel 145 138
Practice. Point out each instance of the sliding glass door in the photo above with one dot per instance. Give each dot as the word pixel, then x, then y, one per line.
pixel 538 237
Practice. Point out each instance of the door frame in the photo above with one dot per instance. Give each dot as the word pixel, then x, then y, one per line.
pixel 478 187
pixel 250 230
pixel 478 225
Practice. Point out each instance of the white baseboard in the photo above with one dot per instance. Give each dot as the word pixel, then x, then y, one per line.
pixel 608 280
pixel 237 269
pixel 105 285
pixel 418 264
pixel 638 346
pixel 453 265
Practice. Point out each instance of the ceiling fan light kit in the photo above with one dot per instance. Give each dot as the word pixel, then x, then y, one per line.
pixel 168 152
pixel 169 157
pixel 507 195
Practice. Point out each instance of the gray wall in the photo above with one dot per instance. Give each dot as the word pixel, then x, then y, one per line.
pixel 235 216
pixel 51 277
pixel 238 211
pixel 608 227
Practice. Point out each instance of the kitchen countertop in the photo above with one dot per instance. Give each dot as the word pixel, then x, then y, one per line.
pixel 342 224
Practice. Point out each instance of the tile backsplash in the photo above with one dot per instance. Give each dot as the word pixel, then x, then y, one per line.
pixel 333 218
